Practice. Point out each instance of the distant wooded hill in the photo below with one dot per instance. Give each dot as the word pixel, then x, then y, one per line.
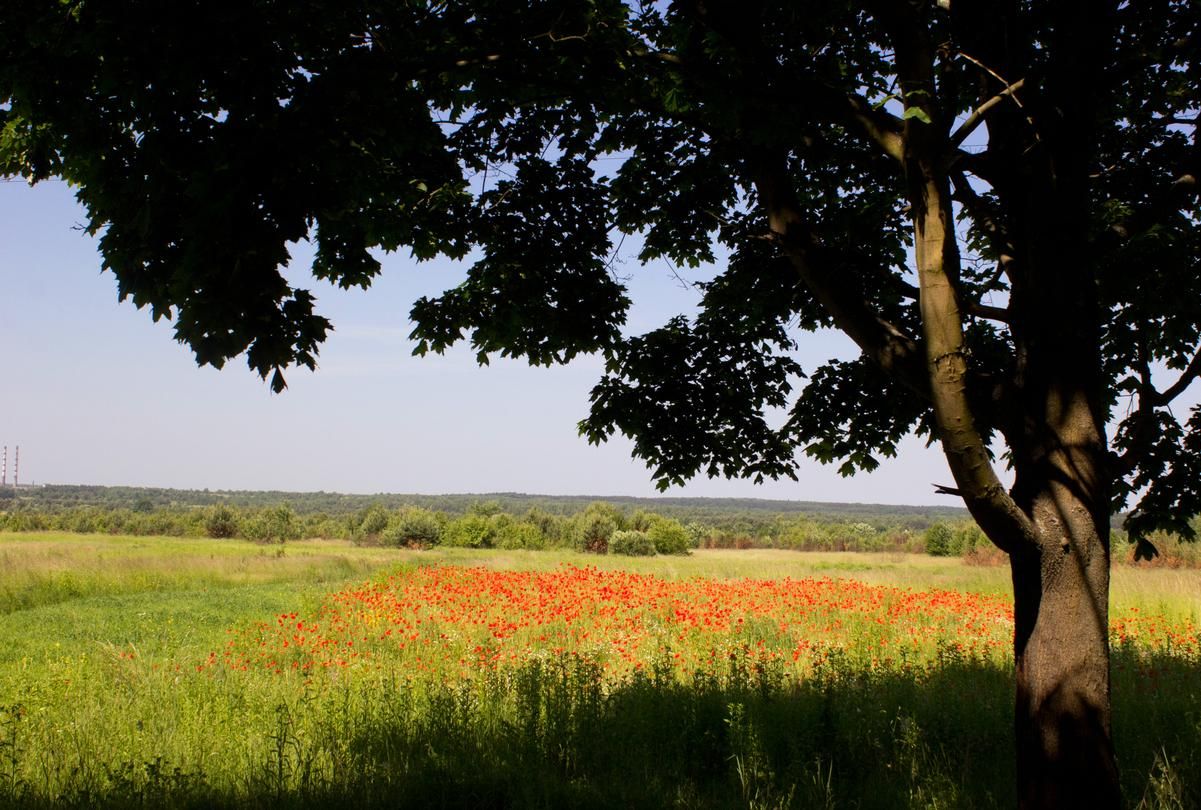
pixel 62 496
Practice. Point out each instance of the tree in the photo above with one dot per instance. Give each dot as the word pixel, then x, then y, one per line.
pixel 469 531
pixel 220 521
pixel 594 526
pixel 369 524
pixel 939 540
pixel 632 543
pixel 996 201
pixel 668 536
pixel 413 526
pixel 275 524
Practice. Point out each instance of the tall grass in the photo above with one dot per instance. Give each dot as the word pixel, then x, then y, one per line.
pixel 105 699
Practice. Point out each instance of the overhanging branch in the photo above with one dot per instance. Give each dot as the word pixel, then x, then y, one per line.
pixel 881 127
pixel 977 117
pixel 938 268
pixel 1190 373
pixel 977 209
pixel 889 346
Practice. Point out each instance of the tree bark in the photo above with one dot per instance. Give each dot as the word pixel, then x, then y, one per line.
pixel 1065 751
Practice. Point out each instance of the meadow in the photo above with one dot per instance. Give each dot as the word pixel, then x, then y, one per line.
pixel 172 672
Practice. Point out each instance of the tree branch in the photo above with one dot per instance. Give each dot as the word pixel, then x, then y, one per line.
pixel 880 126
pixel 1190 373
pixel 1144 417
pixel 894 351
pixel 966 196
pixel 977 117
pixel 938 263
pixel 986 311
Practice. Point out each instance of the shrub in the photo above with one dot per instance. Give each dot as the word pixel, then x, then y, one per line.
pixel 490 508
pixel 282 523
pixel 276 524
pixel 520 535
pixel 631 544
pixel 220 522
pixel 329 529
pixel 469 531
pixel 641 520
pixel 697 532
pixel 669 536
pixel 21 521
pixel 968 538
pixel 413 526
pixel 254 528
pixel 594 531
pixel 370 524
pixel 939 540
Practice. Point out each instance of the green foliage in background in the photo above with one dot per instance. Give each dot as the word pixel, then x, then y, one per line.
pixel 413 526
pixel 939 540
pixel 469 531
pixel 536 528
pixel 668 536
pixel 221 522
pixel 632 543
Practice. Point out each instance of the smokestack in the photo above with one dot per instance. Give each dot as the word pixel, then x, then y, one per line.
pixel 17 468
pixel 4 469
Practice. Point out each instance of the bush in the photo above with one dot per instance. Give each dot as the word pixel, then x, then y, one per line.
pixel 254 528
pixel 697 532
pixel 669 536
pixel 413 527
pixel 469 531
pixel 276 524
pixel 520 536
pixel 968 538
pixel 641 520
pixel 329 529
pixel 594 531
pixel 631 544
pixel 554 529
pixel 490 508
pixel 22 521
pixel 220 522
pixel 370 524
pixel 939 540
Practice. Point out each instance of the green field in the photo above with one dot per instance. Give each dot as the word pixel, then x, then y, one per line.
pixel 103 701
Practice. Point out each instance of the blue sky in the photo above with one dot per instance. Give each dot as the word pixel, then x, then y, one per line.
pixel 96 393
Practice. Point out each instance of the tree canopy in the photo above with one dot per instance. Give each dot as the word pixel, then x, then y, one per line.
pixel 206 138
pixel 996 201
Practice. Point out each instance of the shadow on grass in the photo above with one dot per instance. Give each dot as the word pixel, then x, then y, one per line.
pixel 548 735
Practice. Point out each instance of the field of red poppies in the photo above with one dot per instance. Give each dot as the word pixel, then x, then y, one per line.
pixel 458 622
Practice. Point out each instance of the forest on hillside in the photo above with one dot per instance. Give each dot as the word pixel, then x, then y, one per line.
pixel 732 511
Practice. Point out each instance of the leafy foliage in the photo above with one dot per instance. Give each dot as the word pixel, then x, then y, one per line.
pixel 631 543
pixel 469 531
pixel 940 540
pixel 221 522
pixel 668 536
pixel 206 141
pixel 413 526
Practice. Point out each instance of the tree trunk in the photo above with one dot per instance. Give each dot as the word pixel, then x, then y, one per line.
pixel 1065 751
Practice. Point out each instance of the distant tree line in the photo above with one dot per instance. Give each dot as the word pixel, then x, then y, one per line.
pixel 484 525
pixel 597 526
pixel 753 516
